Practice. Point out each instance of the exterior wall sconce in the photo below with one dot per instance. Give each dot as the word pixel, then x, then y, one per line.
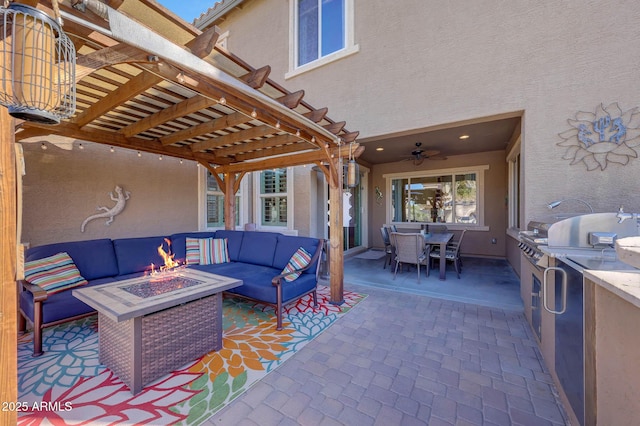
pixel 555 204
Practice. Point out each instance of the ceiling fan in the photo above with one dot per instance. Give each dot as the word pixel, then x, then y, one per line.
pixel 418 155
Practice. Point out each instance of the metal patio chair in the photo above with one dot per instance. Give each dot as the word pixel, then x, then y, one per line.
pixel 452 253
pixel 410 249
pixel 388 248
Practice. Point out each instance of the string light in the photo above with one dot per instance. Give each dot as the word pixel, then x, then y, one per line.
pixel 112 149
pixel 160 158
pixel 139 154
pixel 298 133
pixel 43 146
pixel 278 124
pixel 254 113
pixel 80 146
pixel 222 101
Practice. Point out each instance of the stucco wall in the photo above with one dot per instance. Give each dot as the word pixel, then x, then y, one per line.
pixel 63 187
pixel 425 63
pixel 617 348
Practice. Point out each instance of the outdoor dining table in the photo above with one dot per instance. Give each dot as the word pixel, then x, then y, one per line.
pixel 441 239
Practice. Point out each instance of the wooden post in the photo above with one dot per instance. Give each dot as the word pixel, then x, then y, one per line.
pixel 336 233
pixel 8 291
pixel 229 201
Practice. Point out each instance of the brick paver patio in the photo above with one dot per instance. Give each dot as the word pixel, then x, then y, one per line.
pixel 406 359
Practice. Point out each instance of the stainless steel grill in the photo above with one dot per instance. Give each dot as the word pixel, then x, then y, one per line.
pixel 535 236
pixel 585 238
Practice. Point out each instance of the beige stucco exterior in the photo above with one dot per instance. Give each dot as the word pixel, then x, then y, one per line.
pixel 422 64
pixel 63 187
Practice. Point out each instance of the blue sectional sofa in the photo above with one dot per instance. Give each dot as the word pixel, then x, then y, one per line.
pixel 256 258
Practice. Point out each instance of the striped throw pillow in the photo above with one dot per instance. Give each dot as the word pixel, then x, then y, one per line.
pixel 299 260
pixel 193 251
pixel 54 273
pixel 213 251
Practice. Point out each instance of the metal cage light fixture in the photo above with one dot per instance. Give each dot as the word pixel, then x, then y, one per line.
pixel 37 66
pixel 353 170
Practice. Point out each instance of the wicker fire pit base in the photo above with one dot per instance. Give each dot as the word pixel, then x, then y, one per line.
pixel 143 349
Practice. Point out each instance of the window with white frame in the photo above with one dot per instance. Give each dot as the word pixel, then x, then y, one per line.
pixel 274 203
pixel 214 204
pixel 513 161
pixel 321 31
pixel 445 196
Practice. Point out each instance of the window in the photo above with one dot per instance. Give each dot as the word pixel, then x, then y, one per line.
pixel 452 197
pixel 274 198
pixel 321 31
pixel 513 160
pixel 214 204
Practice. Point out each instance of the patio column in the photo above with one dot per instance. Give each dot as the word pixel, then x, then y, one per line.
pixel 336 232
pixel 8 291
pixel 230 189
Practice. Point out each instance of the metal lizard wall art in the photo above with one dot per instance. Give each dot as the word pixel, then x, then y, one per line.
pixel 120 198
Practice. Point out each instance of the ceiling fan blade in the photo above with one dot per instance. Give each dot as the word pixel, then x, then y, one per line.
pixel 437 157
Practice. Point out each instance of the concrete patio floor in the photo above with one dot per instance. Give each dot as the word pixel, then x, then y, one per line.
pixel 405 357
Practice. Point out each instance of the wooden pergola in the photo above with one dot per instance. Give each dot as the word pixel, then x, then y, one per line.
pixel 148 81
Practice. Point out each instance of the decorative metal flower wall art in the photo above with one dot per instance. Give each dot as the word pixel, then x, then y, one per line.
pixel 607 136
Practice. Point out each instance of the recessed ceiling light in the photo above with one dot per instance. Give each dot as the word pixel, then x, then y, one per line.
pixel 379 148
pixel 464 137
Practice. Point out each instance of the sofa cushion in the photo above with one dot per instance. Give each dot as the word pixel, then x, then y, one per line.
pixel 213 251
pixel 61 305
pixel 54 273
pixel 299 260
pixel 258 248
pixel 193 251
pixel 178 243
pixel 256 283
pixel 137 254
pixel 234 242
pixel 94 258
pixel 287 245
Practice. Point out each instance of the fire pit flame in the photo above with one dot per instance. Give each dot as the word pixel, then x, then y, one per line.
pixel 169 266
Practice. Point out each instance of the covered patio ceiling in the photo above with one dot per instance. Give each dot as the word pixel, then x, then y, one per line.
pixel 484 134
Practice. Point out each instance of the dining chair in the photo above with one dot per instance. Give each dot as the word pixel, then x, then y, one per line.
pixel 388 248
pixel 435 229
pixel 409 249
pixel 452 253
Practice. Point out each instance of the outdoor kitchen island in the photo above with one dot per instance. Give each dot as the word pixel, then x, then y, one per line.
pixel 612 347
pixel 557 259
pixel 151 325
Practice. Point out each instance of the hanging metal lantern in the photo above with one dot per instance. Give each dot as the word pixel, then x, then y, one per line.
pixel 353 174
pixel 37 66
pixel 353 170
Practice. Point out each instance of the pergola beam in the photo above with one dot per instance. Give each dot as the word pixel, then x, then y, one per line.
pixel 231 138
pixel 221 123
pixel 287 161
pixel 117 140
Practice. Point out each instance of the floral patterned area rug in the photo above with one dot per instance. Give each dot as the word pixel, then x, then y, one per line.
pixel 68 385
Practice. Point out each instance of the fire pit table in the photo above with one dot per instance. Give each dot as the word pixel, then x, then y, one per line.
pixel 149 326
